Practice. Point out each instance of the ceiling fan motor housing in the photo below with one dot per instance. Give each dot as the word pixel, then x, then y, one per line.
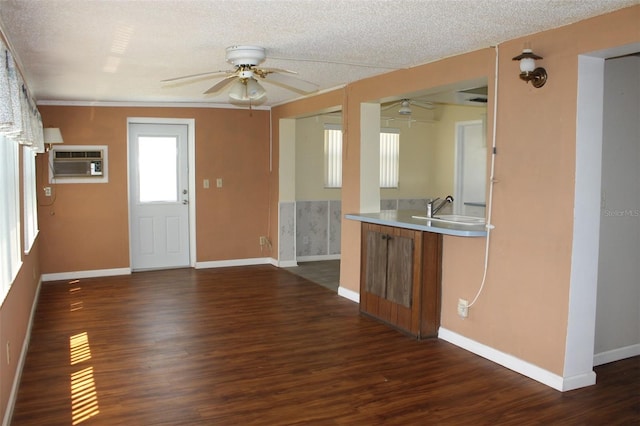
pixel 245 55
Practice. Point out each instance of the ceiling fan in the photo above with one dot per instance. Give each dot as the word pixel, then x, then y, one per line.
pixel 405 105
pixel 246 73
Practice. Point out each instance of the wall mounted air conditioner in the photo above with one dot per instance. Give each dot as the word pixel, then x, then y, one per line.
pixel 78 164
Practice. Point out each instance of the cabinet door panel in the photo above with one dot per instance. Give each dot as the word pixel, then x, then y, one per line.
pixel 376 265
pixel 431 284
pixel 400 270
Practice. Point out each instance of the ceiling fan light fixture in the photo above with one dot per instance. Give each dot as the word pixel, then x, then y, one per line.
pixel 247 90
pixel 255 90
pixel 238 91
pixel 405 108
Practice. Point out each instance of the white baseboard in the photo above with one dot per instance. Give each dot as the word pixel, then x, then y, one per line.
pixel 23 356
pixel 616 354
pixel 523 367
pixel 127 271
pixel 287 264
pixel 349 294
pixel 85 274
pixel 318 257
pixel 236 262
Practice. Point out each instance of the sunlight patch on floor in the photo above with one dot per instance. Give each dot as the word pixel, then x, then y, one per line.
pixel 84 398
pixel 79 348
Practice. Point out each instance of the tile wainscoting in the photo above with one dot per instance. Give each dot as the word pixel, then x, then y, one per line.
pixel 310 230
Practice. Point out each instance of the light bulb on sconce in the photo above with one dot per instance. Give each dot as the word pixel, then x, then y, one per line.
pixel 528 70
pixel 52 136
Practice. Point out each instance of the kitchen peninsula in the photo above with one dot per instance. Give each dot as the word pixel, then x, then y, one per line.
pixel 401 264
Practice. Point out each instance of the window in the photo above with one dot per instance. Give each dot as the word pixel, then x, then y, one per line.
pixel 158 169
pixel 10 214
pixel 20 123
pixel 332 156
pixel 30 200
pixel 389 157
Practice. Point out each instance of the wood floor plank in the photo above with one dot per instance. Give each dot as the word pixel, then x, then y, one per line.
pixel 261 346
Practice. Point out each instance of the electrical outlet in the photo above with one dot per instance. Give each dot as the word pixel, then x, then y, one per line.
pixel 47 191
pixel 463 308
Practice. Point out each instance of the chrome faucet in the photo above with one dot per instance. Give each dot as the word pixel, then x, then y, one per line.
pixel 433 209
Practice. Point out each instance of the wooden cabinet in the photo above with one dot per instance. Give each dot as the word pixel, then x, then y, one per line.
pixel 400 282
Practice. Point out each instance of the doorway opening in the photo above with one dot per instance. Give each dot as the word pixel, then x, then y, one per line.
pixel 470 168
pixel 583 292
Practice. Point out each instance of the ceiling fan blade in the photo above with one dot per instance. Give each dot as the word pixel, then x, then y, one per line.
pixel 281 70
pixel 221 84
pixel 184 77
pixel 292 83
pixel 390 105
pixel 423 104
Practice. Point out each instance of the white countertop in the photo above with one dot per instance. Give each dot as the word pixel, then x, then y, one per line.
pixel 404 219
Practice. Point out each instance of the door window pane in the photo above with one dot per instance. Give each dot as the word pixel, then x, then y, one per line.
pixel 158 169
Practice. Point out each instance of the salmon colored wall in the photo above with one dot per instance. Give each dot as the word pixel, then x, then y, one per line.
pixel 523 310
pixel 471 66
pixel 14 320
pixel 86 228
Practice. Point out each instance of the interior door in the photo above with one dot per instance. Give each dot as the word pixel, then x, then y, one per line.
pixel 471 166
pixel 158 196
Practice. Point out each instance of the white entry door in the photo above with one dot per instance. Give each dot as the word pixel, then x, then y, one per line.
pixel 471 166
pixel 159 197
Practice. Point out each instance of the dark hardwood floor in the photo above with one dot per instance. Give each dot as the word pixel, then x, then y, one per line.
pixel 259 346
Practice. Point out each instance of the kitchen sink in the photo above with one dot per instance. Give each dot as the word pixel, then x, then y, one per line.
pixel 454 219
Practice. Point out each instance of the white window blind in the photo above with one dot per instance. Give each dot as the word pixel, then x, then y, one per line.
pixel 20 123
pixel 389 158
pixel 30 200
pixel 10 257
pixel 332 156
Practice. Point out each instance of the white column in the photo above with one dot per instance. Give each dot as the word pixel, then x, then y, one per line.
pixel 369 158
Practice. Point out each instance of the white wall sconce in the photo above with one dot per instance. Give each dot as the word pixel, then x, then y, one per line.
pixel 528 71
pixel 52 136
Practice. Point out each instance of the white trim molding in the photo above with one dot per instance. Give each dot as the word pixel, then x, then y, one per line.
pixel 349 294
pixel 60 276
pixel 235 262
pixel 616 354
pixel 525 368
pixel 318 257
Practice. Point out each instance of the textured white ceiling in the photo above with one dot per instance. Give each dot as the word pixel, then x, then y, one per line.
pixel 119 51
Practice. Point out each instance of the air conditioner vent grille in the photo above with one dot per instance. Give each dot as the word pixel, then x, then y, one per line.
pixel 78 154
